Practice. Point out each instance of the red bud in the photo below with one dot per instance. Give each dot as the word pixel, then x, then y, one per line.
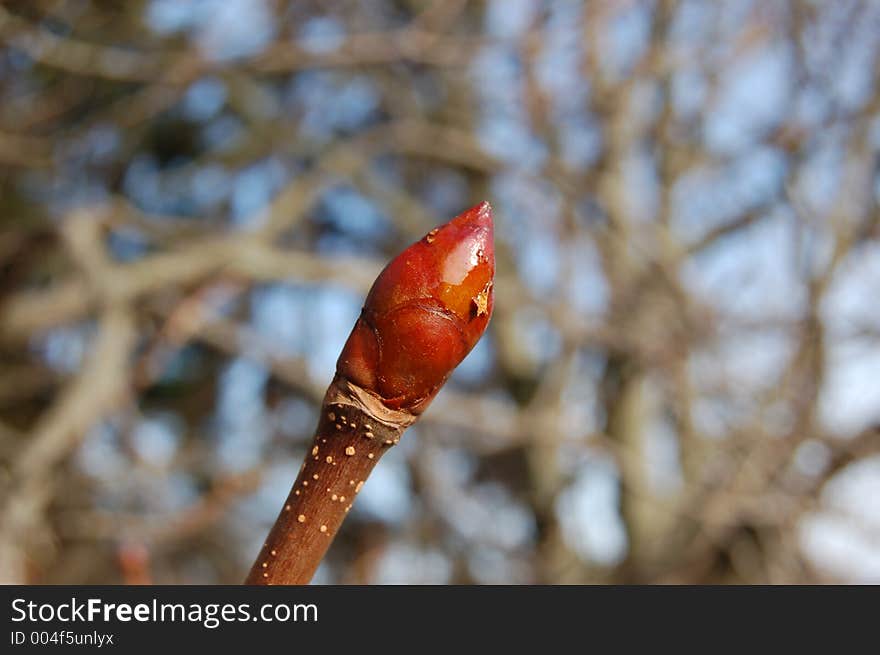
pixel 424 313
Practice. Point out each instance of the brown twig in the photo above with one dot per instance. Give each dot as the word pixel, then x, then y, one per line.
pixel 353 433
pixel 424 313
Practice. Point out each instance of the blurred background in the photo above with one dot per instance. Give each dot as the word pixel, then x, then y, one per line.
pixel 681 382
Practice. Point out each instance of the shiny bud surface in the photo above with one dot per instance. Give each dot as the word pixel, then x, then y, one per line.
pixel 424 313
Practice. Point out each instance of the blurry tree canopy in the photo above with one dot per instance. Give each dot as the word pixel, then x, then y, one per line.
pixel 680 383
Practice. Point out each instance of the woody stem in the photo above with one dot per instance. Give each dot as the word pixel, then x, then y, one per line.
pixel 354 431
